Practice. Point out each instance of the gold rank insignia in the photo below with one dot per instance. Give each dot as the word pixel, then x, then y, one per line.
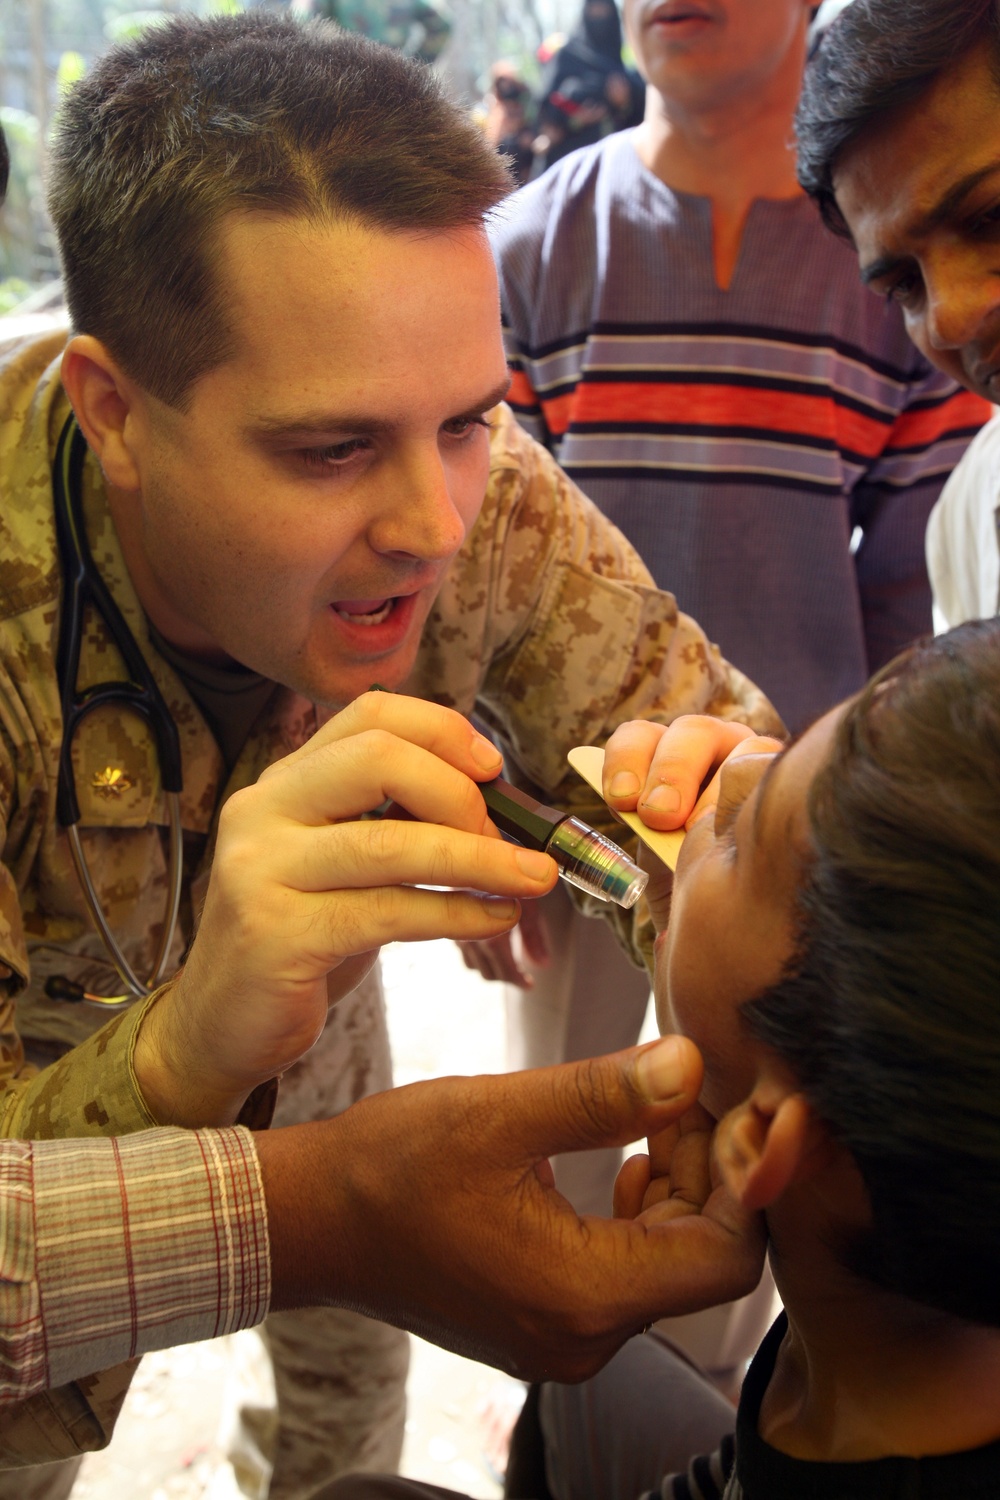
pixel 111 782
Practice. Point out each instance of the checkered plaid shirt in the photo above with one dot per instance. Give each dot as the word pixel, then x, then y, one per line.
pixel 111 1247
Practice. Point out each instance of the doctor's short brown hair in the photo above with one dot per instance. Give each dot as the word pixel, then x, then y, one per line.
pixel 253 113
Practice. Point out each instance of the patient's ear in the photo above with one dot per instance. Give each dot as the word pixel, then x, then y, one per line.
pixel 770 1141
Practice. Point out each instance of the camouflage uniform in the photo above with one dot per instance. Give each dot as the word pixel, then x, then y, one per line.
pixel 547 624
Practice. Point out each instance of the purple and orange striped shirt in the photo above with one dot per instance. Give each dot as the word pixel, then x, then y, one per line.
pixel 772 450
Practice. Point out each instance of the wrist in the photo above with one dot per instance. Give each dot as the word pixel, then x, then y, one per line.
pixel 305 1222
pixel 173 1089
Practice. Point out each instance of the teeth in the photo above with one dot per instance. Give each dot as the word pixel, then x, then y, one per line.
pixel 373 619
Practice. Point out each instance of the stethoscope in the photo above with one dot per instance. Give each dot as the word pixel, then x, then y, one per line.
pixel 83 585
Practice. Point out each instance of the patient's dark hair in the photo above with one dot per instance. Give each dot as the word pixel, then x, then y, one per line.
pixel 889 1014
pixel 251 113
pixel 877 56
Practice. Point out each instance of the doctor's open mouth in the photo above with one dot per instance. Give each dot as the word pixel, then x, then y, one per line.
pixel 365 611
pixel 376 624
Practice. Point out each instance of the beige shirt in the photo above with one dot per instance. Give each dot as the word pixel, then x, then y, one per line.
pixel 963 536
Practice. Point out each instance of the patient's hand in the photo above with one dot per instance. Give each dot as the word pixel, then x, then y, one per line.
pixel 677 1190
pixel 676 1176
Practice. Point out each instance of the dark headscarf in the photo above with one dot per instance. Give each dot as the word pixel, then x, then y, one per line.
pixel 597 40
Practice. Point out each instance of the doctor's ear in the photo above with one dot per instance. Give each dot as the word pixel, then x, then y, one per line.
pixel 770 1141
pixel 104 400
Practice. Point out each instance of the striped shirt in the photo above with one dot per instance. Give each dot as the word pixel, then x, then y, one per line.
pixel 112 1247
pixel 745 1467
pixel 737 437
pixel 712 1476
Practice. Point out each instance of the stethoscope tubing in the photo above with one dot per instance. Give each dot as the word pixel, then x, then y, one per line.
pixel 126 973
pixel 83 585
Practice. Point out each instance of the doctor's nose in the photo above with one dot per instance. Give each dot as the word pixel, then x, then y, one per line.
pixel 421 519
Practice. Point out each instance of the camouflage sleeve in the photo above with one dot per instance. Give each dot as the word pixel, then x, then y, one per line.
pixel 13 966
pixel 583 641
pixel 91 1091
pixel 13 947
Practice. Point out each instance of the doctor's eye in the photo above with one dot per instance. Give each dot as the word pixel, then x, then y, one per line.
pixel 334 454
pixel 461 427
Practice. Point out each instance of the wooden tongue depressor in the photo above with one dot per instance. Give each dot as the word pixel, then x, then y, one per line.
pixel 588 761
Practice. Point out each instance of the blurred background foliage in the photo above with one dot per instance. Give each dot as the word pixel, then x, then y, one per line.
pixel 45 46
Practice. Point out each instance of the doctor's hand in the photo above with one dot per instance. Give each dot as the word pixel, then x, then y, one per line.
pixel 668 774
pixel 433 1207
pixel 303 887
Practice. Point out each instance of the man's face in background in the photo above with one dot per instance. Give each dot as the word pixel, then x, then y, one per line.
pixel 920 192
pixel 701 52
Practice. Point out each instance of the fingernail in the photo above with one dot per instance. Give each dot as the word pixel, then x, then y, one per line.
pixel 663 799
pixel 624 784
pixel 660 1072
pixel 485 753
pixel 501 907
pixel 533 863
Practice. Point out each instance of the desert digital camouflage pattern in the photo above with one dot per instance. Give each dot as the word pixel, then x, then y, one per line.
pixel 548 625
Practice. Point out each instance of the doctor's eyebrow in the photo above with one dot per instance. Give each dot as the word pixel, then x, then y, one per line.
pixel 322 424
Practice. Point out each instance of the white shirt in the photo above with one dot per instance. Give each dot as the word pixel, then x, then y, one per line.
pixel 963 536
